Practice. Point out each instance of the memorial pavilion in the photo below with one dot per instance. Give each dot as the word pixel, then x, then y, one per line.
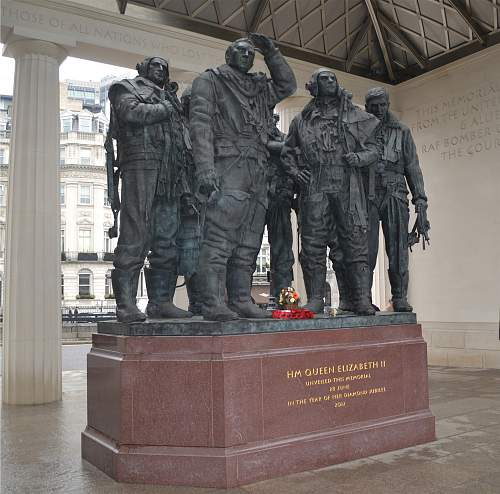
pixel 439 60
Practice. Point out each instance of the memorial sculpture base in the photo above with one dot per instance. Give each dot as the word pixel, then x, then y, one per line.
pixel 222 405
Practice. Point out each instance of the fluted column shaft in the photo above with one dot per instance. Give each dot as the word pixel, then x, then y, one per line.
pixel 381 288
pixel 32 315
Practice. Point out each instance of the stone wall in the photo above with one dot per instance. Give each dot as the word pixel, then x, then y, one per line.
pixel 454 114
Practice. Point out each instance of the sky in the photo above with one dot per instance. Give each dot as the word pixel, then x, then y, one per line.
pixel 71 68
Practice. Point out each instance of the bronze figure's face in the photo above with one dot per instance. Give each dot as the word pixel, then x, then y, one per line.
pixel 378 106
pixel 157 71
pixel 241 55
pixel 327 84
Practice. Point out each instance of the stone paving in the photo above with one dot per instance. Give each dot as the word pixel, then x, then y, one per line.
pixel 40 449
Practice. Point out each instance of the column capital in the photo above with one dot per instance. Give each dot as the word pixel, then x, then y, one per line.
pixel 16 47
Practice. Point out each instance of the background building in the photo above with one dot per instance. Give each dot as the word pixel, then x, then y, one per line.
pixel 86 249
pixel 5 132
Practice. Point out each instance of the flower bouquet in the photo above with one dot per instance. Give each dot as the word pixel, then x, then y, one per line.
pixel 289 301
pixel 289 298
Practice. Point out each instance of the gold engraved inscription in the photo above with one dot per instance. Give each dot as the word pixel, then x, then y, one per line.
pixel 346 382
pixel 335 369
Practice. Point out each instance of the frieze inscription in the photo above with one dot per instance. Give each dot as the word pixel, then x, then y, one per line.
pixel 473 118
pixel 18 14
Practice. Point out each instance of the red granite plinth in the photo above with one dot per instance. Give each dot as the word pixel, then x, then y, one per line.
pixel 223 411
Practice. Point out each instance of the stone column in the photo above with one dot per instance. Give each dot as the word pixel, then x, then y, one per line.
pixel 288 108
pixel 32 315
pixel 381 289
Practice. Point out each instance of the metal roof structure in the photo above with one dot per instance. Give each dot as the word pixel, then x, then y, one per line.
pixel 386 40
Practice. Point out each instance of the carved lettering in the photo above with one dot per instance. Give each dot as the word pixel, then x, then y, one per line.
pixel 472 120
pixel 341 389
pixel 12 14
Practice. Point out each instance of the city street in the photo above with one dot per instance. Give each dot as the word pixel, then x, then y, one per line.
pixel 74 357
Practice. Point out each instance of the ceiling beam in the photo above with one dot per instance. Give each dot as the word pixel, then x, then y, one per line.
pixel 217 13
pixel 476 28
pixel 122 5
pixel 407 44
pixel 467 49
pixel 227 20
pixel 299 25
pixel 257 18
pixel 356 46
pixel 370 5
pixel 201 8
pixel 323 25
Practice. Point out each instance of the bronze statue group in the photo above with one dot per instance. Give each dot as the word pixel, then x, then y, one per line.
pixel 202 176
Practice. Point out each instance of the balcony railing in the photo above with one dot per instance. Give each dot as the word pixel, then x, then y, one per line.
pixel 87 256
pixel 108 256
pixel 75 256
pixel 259 279
pixel 5 134
pixel 94 137
pixel 99 311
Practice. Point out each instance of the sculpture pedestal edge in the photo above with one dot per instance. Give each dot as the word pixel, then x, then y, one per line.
pixel 214 411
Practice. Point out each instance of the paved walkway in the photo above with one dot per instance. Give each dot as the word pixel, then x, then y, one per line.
pixel 40 450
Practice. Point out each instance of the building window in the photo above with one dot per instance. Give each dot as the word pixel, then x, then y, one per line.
pixel 85 240
pixel 63 194
pixel 106 199
pixel 108 285
pixel 87 95
pixel 2 157
pixel 3 189
pixel 263 261
pixel 85 156
pixel 108 242
pixel 67 124
pixel 85 196
pixel 2 241
pixel 63 241
pixel 85 124
pixel 95 124
pixel 62 285
pixel 62 156
pixel 85 283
